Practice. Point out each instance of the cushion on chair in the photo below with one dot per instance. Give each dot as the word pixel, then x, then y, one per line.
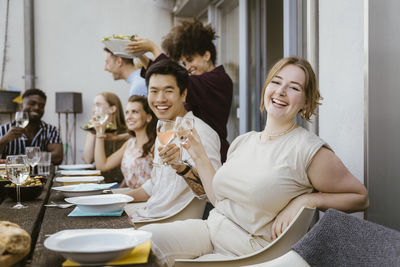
pixel 340 239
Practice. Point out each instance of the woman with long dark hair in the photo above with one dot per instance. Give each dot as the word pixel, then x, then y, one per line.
pixel 136 155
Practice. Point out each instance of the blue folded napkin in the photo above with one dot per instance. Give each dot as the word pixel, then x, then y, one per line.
pixel 93 186
pixel 77 212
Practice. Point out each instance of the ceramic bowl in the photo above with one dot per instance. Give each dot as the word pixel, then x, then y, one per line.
pixel 96 246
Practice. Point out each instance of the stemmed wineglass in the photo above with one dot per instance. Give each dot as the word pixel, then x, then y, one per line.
pixel 183 127
pixel 165 134
pixel 33 156
pixel 17 169
pixel 22 120
pixel 100 116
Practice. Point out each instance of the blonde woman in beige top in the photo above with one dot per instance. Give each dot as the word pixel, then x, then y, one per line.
pixel 267 178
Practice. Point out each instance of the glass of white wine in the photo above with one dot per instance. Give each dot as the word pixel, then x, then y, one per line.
pixel 100 115
pixel 183 127
pixel 22 120
pixel 17 169
pixel 33 156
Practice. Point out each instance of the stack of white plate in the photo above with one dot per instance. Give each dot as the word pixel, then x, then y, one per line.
pixel 70 180
pixel 83 189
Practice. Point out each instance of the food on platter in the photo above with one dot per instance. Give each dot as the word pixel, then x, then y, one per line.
pixel 110 127
pixel 121 37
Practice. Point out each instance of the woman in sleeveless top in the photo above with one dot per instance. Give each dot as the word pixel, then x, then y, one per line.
pixel 267 178
pixel 116 133
pixel 136 155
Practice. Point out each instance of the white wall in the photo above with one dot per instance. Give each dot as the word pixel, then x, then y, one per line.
pixel 341 55
pixel 68 49
pixel 14 69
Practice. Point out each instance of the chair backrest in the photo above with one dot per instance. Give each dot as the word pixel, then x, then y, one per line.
pixel 192 210
pixel 293 233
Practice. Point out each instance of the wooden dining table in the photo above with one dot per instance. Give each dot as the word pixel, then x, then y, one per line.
pixel 41 221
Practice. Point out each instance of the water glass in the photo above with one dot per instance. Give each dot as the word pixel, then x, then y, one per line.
pixel 17 169
pixel 44 163
pixel 33 156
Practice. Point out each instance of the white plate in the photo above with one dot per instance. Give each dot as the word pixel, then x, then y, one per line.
pixel 79 190
pixel 100 203
pixel 117 46
pixel 79 179
pixel 96 246
pixel 80 172
pixel 76 166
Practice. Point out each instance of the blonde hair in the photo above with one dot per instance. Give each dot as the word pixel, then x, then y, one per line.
pixel 118 116
pixel 310 85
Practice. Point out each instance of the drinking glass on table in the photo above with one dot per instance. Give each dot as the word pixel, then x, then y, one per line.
pixel 33 156
pixel 100 115
pixel 183 127
pixel 44 163
pixel 22 120
pixel 17 169
pixel 165 134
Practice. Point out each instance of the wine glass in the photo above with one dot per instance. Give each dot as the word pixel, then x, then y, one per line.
pixel 33 156
pixel 22 120
pixel 165 134
pixel 100 116
pixel 17 169
pixel 183 127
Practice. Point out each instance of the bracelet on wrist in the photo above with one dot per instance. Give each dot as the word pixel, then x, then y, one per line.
pixel 186 170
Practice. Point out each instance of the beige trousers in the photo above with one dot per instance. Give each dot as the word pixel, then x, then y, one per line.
pixel 193 238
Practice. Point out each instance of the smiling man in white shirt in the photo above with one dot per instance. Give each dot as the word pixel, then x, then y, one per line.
pixel 167 192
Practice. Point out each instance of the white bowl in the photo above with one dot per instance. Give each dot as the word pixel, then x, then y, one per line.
pixel 70 180
pixel 100 203
pixel 117 46
pixel 96 246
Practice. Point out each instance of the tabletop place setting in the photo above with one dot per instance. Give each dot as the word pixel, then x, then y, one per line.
pixel 74 191
pixel 85 195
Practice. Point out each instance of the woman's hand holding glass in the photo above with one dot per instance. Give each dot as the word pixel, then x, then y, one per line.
pixel 33 156
pixel 17 169
pixel 100 117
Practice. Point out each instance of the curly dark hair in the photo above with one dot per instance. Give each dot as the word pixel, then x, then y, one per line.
pixel 189 38
pixel 151 126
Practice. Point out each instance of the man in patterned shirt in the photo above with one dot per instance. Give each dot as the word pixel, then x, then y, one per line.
pixel 36 133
